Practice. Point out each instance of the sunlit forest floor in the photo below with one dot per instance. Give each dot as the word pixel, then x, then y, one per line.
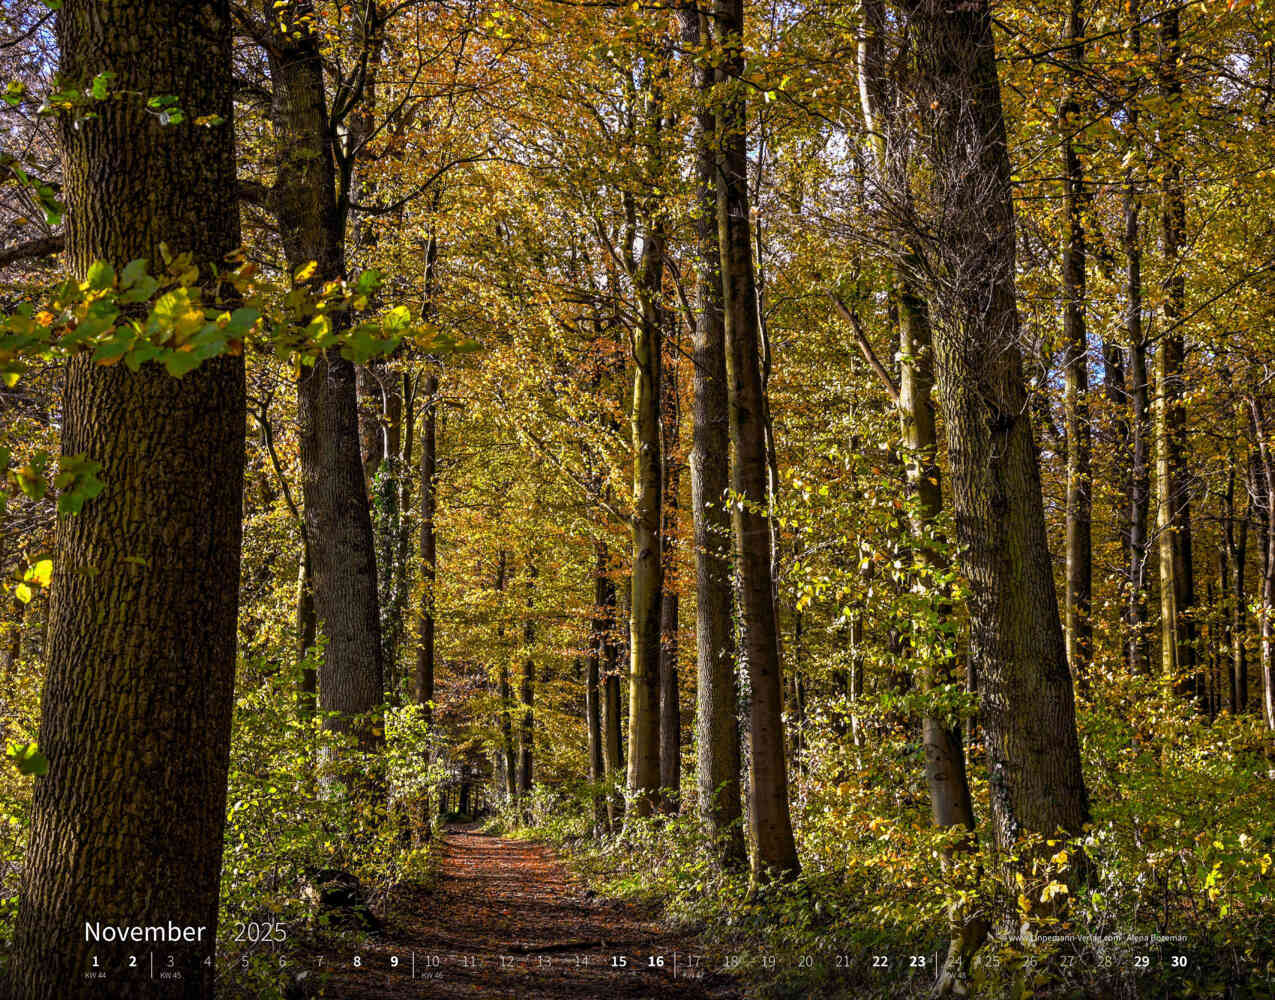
pixel 1180 849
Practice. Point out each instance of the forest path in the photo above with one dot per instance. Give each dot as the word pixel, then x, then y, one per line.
pixel 505 920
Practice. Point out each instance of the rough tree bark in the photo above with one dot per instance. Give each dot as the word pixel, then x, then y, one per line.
pixel 338 520
pixel 1026 707
pixel 946 777
pixel 135 717
pixel 775 851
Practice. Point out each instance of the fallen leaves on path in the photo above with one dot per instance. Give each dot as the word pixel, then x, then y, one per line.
pixel 504 920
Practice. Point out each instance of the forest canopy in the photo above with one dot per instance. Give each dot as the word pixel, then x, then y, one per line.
pixel 805 471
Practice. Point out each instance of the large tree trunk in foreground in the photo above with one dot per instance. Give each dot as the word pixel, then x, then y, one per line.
pixel 136 708
pixel 775 849
pixel 1016 644
pixel 716 710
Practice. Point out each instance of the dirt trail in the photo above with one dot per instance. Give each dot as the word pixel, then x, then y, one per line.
pixel 506 921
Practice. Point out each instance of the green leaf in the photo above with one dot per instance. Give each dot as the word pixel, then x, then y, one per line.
pixel 28 758
pixel 100 89
pixel 133 272
pixel 40 572
pixel 180 363
pixel 101 276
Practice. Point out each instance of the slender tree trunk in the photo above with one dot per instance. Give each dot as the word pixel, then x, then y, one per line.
pixel 1026 705
pixel 1239 615
pixel 1261 435
pixel 307 697
pixel 1137 643
pixel 670 707
pixel 338 520
pixel 424 680
pixel 775 851
pixel 1173 514
pixel 506 693
pixel 716 707
pixel 596 665
pixel 423 675
pixel 527 693
pixel 135 716
pixel 1079 628
pixel 648 569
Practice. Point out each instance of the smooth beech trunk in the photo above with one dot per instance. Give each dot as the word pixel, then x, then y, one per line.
pixel 670 706
pixel 136 709
pixel 775 851
pixel 647 528
pixel 716 705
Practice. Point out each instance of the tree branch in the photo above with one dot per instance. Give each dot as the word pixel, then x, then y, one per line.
pixel 865 346
pixel 42 246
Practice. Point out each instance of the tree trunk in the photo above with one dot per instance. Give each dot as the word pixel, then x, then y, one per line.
pixel 372 408
pixel 1261 435
pixel 716 706
pixel 1173 512
pixel 775 851
pixel 338 520
pixel 424 680
pixel 135 716
pixel 306 632
pixel 506 693
pixel 527 728
pixel 648 568
pixel 1079 628
pixel 945 770
pixel 670 707
pixel 598 640
pixel 1026 705
pixel 1238 542
pixel 1138 640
